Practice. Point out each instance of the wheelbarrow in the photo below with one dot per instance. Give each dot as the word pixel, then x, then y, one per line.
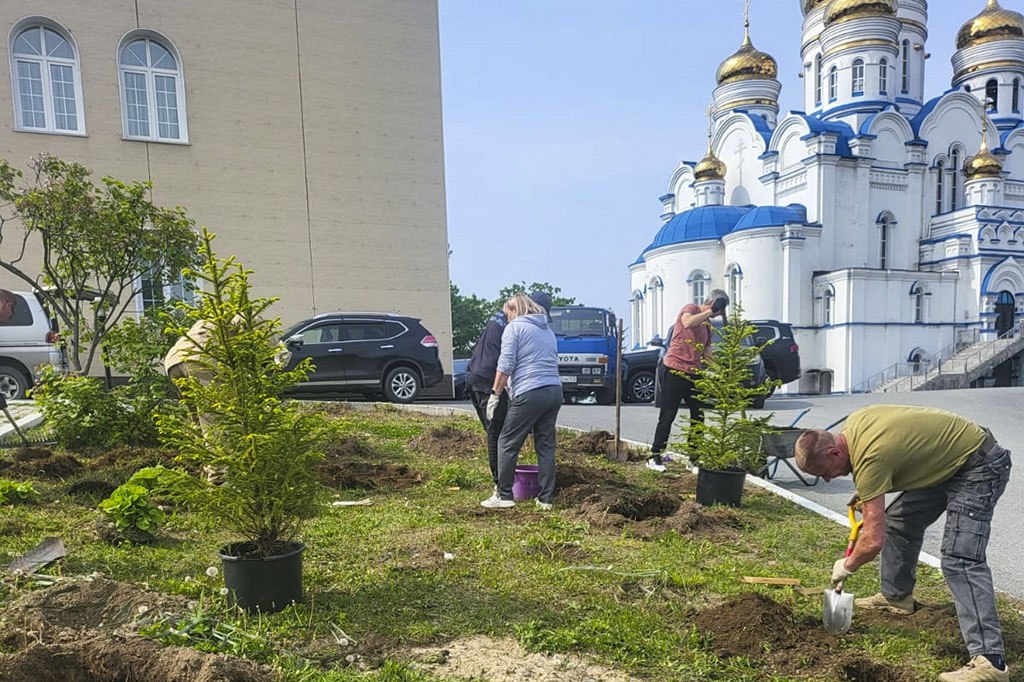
pixel 780 447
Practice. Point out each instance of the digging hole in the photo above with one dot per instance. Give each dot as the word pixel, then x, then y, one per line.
pixel 643 507
pixel 863 670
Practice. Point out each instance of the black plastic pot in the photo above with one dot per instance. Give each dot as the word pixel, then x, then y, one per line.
pixel 720 487
pixel 264 584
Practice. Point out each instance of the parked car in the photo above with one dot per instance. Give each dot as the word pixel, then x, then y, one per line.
pixel 369 353
pixel 782 356
pixel 641 366
pixel 28 340
pixel 460 372
pixel 758 377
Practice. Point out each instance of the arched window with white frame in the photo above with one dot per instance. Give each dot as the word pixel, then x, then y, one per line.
pixel 857 85
pixel 833 84
pixel 992 95
pixel 1016 95
pixel 919 300
pixel 46 79
pixel 734 282
pixel 656 296
pixel 152 89
pixel 817 80
pixel 885 225
pixel 883 76
pixel 700 283
pixel 828 304
pixel 954 178
pixel 636 303
pixel 940 186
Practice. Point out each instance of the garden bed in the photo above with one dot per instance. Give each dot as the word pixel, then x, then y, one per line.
pixel 628 579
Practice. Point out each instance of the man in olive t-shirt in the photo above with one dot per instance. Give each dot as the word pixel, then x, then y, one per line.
pixel 940 462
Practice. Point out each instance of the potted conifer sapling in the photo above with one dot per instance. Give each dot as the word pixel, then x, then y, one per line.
pixel 234 420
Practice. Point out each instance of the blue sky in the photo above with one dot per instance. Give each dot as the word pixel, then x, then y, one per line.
pixel 563 120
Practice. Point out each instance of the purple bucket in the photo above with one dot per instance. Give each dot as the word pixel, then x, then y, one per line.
pixel 526 485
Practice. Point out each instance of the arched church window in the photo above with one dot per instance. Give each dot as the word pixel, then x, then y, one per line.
pixel 883 76
pixel 940 186
pixel 1016 95
pixel 833 84
pixel 917 293
pixel 699 282
pixel 858 77
pixel 734 279
pixel 817 80
pixel 884 228
pixel 905 68
pixel 954 179
pixel 992 95
pixel 828 299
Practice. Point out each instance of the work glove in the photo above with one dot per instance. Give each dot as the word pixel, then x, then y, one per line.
pixel 718 305
pixel 840 572
pixel 492 405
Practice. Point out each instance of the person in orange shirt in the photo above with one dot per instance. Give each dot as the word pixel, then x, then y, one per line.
pixel 689 347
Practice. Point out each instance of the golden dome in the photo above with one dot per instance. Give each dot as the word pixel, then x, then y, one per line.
pixel 984 164
pixel 994 23
pixel 809 6
pixel 844 10
pixel 710 168
pixel 746 64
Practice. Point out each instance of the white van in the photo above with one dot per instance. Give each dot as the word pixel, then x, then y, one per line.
pixel 27 340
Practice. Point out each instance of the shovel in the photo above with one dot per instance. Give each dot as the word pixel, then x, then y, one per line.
pixel 838 611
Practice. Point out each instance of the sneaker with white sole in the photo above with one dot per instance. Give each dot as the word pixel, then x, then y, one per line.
pixel 495 502
pixel 980 669
pixel 544 506
pixel 879 602
pixel 654 463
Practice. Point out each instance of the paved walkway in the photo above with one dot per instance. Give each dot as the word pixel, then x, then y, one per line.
pixel 21 410
pixel 1000 409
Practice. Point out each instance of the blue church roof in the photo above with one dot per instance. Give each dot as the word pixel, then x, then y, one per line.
pixel 771 216
pixel 698 224
pixel 842 131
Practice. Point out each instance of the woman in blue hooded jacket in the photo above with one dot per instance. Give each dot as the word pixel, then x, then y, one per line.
pixel 528 369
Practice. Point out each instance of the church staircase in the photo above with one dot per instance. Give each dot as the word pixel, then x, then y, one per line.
pixel 958 369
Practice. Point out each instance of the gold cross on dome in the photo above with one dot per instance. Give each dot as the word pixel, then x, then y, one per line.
pixel 710 114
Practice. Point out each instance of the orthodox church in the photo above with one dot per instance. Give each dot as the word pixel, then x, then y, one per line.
pixel 882 224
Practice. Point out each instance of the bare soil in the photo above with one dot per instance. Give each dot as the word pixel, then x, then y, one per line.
pixel 353 462
pixel 448 442
pixel 111 658
pixel 82 631
pixel 769 633
pixel 503 660
pixel 57 466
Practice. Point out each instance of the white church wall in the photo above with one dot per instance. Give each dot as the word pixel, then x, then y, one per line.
pixel 738 145
pixel 676 266
pixel 759 254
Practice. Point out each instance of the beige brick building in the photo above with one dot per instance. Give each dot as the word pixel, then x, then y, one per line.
pixel 305 133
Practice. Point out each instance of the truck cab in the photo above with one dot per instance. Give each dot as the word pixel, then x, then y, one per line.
pixel 587 347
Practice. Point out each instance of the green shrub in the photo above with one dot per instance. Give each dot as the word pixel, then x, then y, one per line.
pixel 729 439
pixel 133 513
pixel 80 412
pixel 263 446
pixel 13 492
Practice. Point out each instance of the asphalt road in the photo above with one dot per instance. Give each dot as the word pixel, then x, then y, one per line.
pixel 1000 409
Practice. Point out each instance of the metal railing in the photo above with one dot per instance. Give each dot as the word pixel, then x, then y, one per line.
pixel 957 358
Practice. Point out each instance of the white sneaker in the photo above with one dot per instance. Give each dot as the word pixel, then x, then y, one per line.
pixel 654 464
pixel 544 506
pixel 495 502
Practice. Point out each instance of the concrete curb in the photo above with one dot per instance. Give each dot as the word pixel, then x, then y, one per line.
pixel 30 421
pixel 925 558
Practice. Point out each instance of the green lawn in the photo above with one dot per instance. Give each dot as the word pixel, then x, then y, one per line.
pixel 424 565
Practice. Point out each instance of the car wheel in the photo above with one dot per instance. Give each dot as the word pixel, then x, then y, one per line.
pixel 402 385
pixel 605 396
pixel 758 402
pixel 640 388
pixel 13 383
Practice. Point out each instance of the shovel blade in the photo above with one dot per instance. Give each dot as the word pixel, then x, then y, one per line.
pixel 838 612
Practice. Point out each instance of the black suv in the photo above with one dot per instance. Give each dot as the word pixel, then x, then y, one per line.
pixel 369 353
pixel 782 356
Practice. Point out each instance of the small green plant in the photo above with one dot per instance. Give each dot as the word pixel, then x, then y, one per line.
pixel 13 492
pixel 729 439
pixel 206 627
pixel 263 446
pixel 133 513
pixel 80 412
pixel 172 485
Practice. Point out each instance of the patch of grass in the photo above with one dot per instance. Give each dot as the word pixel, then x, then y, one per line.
pixel 425 565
